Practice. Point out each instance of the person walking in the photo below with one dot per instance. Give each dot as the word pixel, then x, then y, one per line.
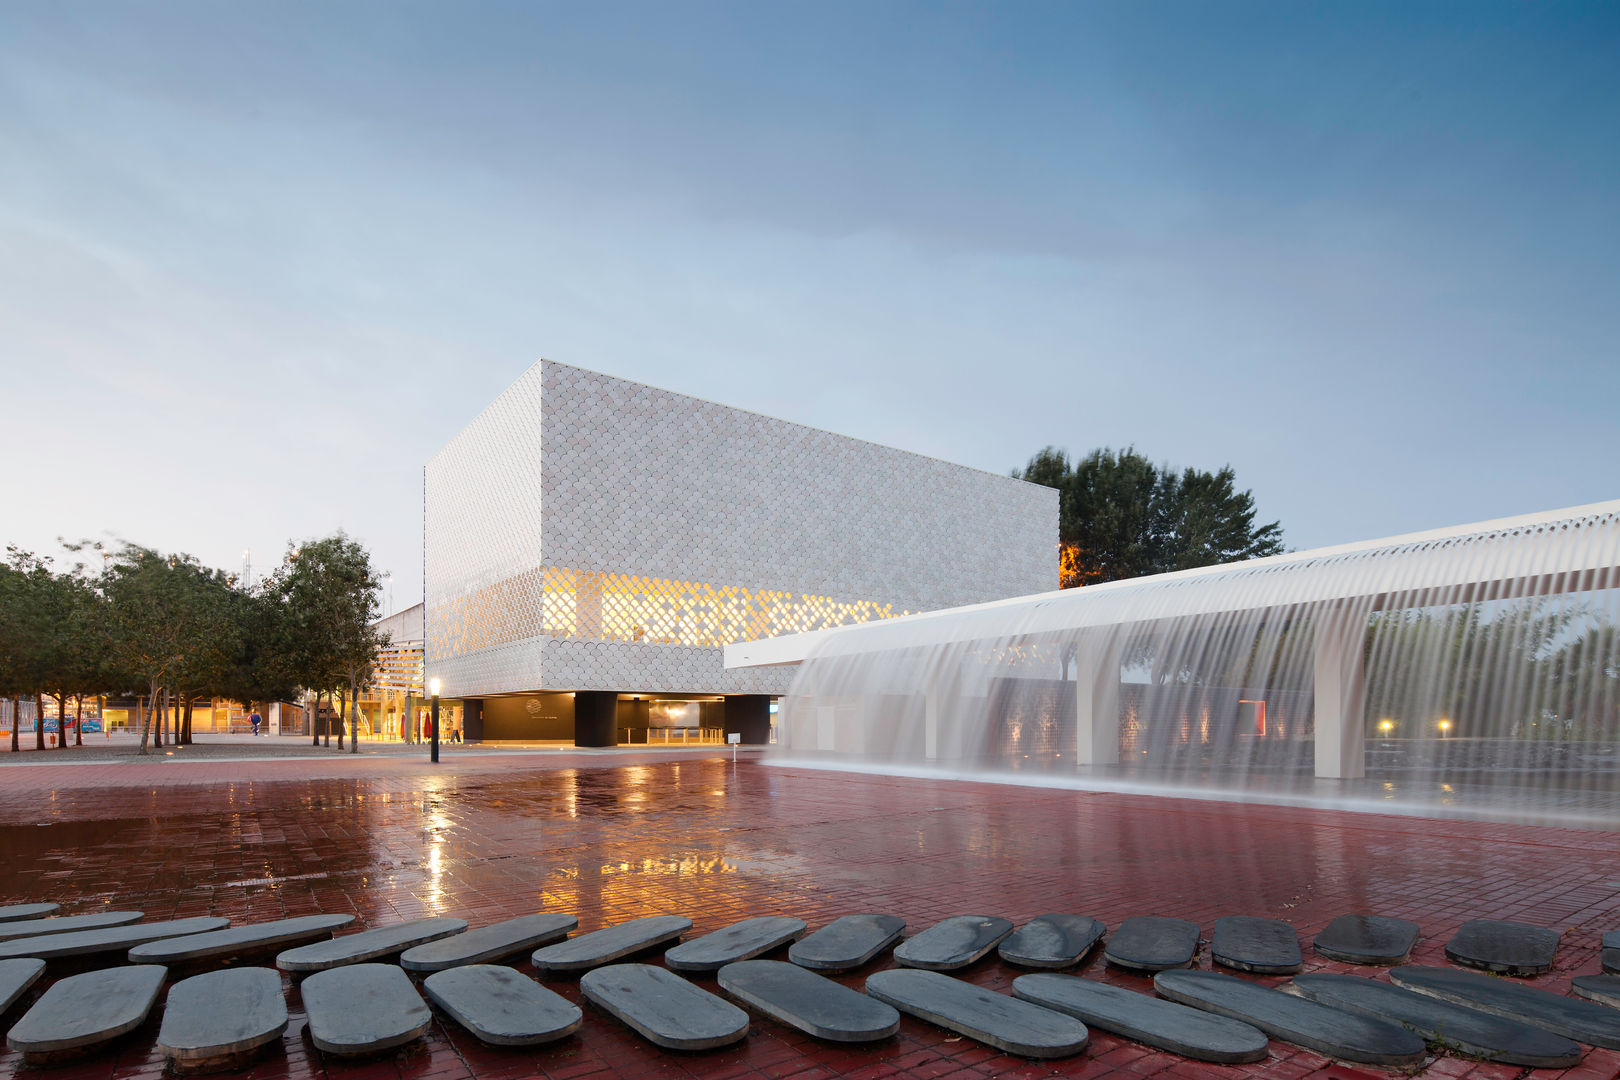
pixel 255 721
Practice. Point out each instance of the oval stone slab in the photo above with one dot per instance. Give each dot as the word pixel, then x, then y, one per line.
pixel 1263 946
pixel 953 943
pixel 1367 939
pixel 494 942
pixel 1582 1021
pixel 1460 1030
pixel 237 940
pixel 1611 952
pixel 1148 1020
pixel 993 1019
pixel 1152 943
pixel 740 941
pixel 86 1010
pixel 118 939
pixel 812 1003
pixel 1510 948
pixel 1052 941
pixel 14 912
pixel 605 946
pixel 68 924
pixel 847 942
pixel 663 1007
pixel 1293 1020
pixel 363 1008
pixel 17 976
pixel 1603 989
pixel 218 1019
pixel 502 1007
pixel 368 944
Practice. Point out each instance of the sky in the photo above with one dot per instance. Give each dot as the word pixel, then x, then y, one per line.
pixel 258 262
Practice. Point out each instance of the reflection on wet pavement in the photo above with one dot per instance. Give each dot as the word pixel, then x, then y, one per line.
pixel 716 842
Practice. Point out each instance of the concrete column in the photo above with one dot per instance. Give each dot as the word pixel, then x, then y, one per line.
pixel 596 716
pixel 1341 693
pixel 1096 705
pixel 749 715
pixel 933 704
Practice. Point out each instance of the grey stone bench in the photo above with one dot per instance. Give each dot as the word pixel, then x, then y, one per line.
pixel 1509 948
pixel 1460 1030
pixel 847 942
pixel 740 941
pixel 953 943
pixel 814 1004
pixel 993 1019
pixel 1152 1021
pixel 1263 946
pixel 113 939
pixel 1052 941
pixel 1367 939
pixel 1292 1019
pixel 367 945
pixel 494 942
pixel 1603 989
pixel 613 943
pixel 81 1013
pixel 502 1007
pixel 16 976
pixel 15 912
pixel 363 1008
pixel 1152 943
pixel 67 924
pixel 220 1020
pixel 237 941
pixel 664 1008
pixel 1582 1021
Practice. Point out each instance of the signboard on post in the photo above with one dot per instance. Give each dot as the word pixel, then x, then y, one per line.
pixel 733 738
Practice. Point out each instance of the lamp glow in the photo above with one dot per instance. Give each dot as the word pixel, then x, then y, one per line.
pixel 433 687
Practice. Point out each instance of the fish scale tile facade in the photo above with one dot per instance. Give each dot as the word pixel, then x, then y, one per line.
pixel 590 533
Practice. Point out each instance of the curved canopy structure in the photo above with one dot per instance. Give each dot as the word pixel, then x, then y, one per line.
pixel 1258 665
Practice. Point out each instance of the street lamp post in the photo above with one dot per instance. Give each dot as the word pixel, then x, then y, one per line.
pixel 433 721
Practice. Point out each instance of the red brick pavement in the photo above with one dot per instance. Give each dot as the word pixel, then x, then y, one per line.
pixel 613 837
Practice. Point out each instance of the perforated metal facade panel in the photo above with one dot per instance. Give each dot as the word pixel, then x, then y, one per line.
pixel 672 525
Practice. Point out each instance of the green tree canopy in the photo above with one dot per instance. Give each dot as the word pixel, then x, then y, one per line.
pixel 1121 516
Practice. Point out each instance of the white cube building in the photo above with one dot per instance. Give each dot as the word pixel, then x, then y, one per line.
pixel 591 544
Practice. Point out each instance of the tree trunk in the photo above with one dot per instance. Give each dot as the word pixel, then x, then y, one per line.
pixel 144 709
pixel 16 723
pixel 185 729
pixel 61 719
pixel 354 729
pixel 78 720
pixel 343 712
pixel 39 719
pixel 315 721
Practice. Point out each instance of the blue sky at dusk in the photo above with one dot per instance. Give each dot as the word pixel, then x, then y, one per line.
pixel 258 262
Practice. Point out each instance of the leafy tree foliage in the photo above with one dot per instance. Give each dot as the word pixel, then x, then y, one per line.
pixel 327 594
pixel 1121 516
pixel 169 628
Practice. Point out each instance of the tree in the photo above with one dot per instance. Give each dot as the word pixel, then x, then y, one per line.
pixel 1120 516
pixel 164 612
pixel 327 591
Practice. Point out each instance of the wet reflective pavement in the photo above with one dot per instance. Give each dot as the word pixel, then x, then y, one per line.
pixel 610 837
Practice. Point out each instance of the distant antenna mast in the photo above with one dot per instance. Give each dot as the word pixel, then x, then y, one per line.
pixel 388 579
pixel 247 568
